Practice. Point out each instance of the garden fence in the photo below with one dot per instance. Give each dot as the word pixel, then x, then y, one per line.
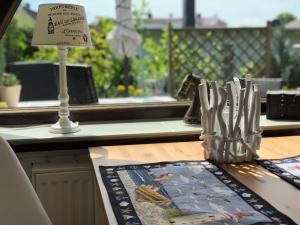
pixel 217 54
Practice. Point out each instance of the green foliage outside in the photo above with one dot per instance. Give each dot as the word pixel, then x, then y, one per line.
pixel 285 18
pixel 15 45
pixel 282 57
pixel 17 41
pixel 140 13
pixel 107 69
pixel 149 69
pixel 285 59
pixel 104 66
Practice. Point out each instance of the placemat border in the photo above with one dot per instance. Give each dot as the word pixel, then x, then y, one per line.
pixel 269 165
pixel 236 186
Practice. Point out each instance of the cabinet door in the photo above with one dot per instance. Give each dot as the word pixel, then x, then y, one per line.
pixel 68 197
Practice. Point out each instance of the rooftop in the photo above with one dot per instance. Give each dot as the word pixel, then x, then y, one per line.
pixel 295 24
pixel 200 22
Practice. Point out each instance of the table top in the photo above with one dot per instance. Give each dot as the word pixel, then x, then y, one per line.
pixel 280 194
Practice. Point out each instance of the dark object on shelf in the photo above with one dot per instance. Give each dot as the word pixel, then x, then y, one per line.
pixel 264 84
pixel 190 83
pixel 80 83
pixel 283 105
pixel 7 11
pixel 37 80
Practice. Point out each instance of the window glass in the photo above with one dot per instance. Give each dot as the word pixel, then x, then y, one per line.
pixel 226 39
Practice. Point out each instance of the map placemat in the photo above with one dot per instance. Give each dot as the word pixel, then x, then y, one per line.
pixel 184 193
pixel 288 169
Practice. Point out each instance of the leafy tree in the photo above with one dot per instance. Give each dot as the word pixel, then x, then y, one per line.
pixel 106 68
pixel 285 17
pixel 151 69
pixel 140 14
pixel 17 41
pixel 49 54
pixel 282 55
pixel 15 44
pixel 283 58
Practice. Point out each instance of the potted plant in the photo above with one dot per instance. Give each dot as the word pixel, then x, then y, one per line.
pixel 10 89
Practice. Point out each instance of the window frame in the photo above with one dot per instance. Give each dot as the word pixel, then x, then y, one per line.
pixel 89 113
pixel 96 113
pixel 7 11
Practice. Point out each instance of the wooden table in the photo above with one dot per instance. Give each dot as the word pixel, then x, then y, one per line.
pixel 276 191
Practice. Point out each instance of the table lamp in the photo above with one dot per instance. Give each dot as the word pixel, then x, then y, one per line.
pixel 62 25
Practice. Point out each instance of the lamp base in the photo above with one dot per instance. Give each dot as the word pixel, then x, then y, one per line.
pixel 70 127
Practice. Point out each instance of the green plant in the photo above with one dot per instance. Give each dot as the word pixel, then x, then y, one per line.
pixel 17 41
pixel 140 14
pixel 248 68
pixel 283 55
pixel 9 79
pixel 107 69
pixel 151 69
pixel 285 59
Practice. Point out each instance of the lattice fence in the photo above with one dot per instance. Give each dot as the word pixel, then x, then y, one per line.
pixel 218 54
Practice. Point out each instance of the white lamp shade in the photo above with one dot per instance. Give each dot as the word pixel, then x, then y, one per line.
pixel 61 25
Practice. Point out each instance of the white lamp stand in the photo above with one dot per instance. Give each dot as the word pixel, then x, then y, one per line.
pixel 64 125
pixel 62 25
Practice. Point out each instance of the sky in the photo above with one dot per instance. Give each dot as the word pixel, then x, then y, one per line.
pixel 234 12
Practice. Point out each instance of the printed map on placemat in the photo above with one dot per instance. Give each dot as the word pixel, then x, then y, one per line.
pixel 184 193
pixel 288 169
